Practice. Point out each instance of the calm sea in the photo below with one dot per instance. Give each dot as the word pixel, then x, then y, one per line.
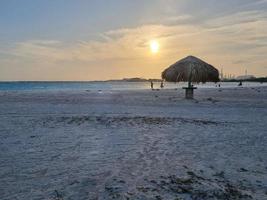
pixel 95 86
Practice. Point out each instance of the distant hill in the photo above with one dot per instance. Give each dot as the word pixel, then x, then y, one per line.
pixel 134 80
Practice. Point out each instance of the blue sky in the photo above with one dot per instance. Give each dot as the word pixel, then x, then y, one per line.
pixel 70 19
pixel 79 39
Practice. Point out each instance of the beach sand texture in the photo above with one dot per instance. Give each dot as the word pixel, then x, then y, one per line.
pixel 134 144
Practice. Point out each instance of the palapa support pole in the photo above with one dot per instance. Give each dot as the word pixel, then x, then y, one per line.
pixel 189 91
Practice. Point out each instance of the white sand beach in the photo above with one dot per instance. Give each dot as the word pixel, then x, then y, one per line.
pixel 76 145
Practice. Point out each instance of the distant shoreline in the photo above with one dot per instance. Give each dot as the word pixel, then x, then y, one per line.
pixel 94 81
pixel 260 80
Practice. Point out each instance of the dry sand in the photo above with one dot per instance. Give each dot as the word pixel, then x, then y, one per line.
pixel 134 145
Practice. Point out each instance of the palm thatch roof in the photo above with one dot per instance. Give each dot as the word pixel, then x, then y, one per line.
pixel 191 69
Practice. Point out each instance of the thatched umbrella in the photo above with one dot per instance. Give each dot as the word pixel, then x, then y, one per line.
pixel 191 69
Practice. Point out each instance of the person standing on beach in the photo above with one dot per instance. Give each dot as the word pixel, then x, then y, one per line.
pixel 161 84
pixel 151 85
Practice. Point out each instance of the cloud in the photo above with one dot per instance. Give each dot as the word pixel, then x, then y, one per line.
pixel 237 19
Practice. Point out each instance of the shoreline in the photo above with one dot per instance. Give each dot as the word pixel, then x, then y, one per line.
pixel 43 90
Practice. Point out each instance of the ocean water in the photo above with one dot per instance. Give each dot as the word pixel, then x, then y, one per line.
pixel 107 86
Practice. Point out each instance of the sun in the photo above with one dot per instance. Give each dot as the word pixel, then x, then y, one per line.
pixel 154 46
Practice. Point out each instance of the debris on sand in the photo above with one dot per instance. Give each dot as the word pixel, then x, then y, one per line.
pixel 191 186
pixel 128 120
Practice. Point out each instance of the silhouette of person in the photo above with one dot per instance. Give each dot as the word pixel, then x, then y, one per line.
pixel 161 85
pixel 151 85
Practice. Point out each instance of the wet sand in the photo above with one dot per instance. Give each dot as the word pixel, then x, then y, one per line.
pixel 134 144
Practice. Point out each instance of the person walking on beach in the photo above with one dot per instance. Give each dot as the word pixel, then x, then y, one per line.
pixel 161 84
pixel 151 85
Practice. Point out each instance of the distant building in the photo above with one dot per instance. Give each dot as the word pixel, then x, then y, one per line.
pixel 245 77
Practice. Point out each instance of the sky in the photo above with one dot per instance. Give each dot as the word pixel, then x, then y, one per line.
pixel 80 40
